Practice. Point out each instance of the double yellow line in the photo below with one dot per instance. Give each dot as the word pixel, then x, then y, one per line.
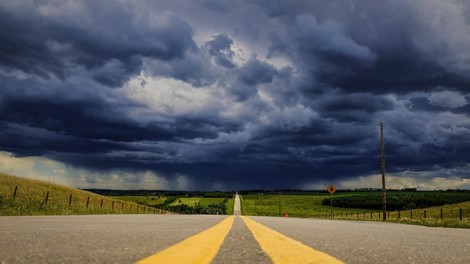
pixel 203 247
pixel 200 248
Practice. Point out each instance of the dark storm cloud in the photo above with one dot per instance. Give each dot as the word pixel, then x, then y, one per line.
pixel 248 94
pixel 109 40
pixel 249 76
pixel 216 5
pixel 22 47
pixel 193 69
pixel 255 72
pixel 96 120
pixel 219 49
pixel 36 141
pixel 371 46
pixel 352 107
pixel 329 43
pixel 114 72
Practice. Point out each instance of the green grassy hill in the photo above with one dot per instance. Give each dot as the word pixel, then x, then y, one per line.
pixel 30 199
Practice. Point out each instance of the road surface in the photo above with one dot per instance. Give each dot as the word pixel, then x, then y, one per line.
pixel 223 239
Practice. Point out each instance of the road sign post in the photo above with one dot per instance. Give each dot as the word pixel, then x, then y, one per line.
pixel 331 189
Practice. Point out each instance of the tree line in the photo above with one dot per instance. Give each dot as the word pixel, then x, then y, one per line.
pixel 398 201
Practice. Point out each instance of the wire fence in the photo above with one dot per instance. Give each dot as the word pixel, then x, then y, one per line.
pixel 58 203
pixel 437 214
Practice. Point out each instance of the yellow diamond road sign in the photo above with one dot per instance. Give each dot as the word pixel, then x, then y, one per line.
pixel 331 189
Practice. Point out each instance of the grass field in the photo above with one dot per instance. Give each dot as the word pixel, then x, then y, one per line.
pixel 190 201
pixel 293 205
pixel 204 201
pixel 30 199
pixel 144 200
pixel 311 206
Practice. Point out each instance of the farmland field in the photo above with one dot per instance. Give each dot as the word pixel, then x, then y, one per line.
pixel 184 204
pixel 147 200
pixel 293 205
pixel 313 205
pixel 197 200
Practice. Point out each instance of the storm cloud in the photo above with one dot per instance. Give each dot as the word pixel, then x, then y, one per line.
pixel 237 95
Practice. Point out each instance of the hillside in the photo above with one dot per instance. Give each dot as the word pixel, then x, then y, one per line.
pixel 33 197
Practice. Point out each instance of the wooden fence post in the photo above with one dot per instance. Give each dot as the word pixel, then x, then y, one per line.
pixel 14 193
pixel 112 207
pixel 44 203
pixel 70 200
pixel 411 214
pixel 460 210
pixel 101 207
pixel 47 198
pixel 87 201
pixel 441 213
pixel 424 213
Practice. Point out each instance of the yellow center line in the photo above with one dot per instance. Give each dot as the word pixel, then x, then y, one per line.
pixel 200 248
pixel 282 249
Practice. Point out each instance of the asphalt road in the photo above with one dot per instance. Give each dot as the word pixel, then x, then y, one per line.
pixel 130 238
pixel 376 242
pixel 94 238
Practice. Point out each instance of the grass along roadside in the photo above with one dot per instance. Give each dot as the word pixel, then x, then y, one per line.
pixel 35 197
pixel 439 216
pixel 310 206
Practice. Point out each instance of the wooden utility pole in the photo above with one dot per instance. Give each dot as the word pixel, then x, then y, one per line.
pixel 382 159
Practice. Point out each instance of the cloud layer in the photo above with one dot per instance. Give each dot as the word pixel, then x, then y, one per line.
pixel 231 95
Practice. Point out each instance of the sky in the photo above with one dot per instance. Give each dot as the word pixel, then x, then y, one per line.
pixel 230 95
